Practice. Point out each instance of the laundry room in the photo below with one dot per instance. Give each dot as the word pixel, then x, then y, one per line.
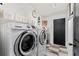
pixel 39 29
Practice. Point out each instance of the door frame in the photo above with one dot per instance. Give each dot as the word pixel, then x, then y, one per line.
pixel 71 16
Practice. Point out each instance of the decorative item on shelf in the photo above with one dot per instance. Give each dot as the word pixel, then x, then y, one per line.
pixel 44 23
pixel 38 20
pixel 1 13
pixel 35 13
pixel 36 17
pixel 9 16
pixel 1 10
pixel 24 19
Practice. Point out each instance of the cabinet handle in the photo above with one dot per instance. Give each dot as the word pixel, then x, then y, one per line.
pixel 72 44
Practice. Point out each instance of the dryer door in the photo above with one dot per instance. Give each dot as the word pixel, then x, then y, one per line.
pixel 25 43
pixel 42 37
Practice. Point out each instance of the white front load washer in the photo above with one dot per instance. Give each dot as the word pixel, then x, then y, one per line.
pixel 42 51
pixel 17 39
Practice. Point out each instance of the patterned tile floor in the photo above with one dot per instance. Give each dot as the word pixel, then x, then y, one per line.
pixel 56 51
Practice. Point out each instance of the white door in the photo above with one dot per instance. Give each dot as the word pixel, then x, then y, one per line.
pixel 70 36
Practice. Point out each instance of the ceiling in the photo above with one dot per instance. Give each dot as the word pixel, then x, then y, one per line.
pixel 44 9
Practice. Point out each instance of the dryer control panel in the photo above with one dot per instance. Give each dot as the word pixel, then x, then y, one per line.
pixel 18 26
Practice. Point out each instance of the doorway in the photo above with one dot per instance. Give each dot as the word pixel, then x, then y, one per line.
pixel 59 31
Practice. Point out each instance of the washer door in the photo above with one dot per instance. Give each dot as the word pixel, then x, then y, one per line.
pixel 42 37
pixel 25 43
